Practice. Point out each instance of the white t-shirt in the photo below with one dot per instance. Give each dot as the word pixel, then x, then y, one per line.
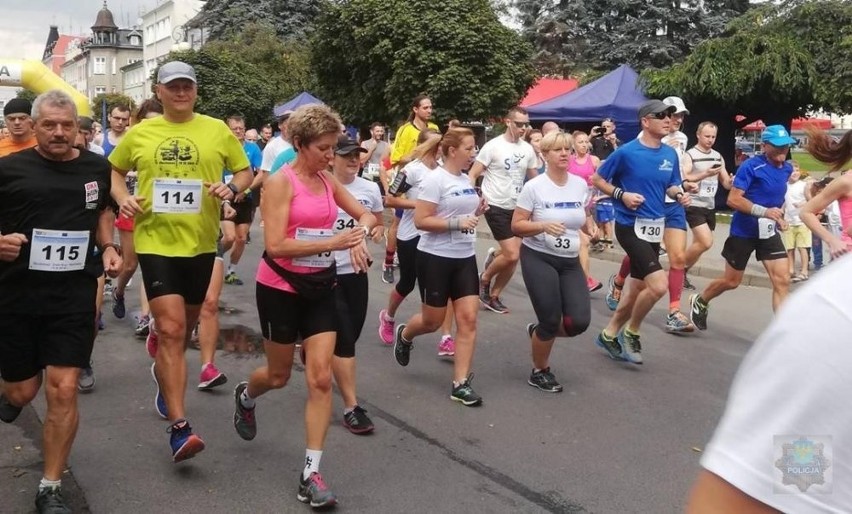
pixel 795 382
pixel 454 196
pixel 701 162
pixel 550 202
pixel 795 195
pixel 681 141
pixel 273 148
pixel 92 147
pixel 506 166
pixel 367 193
pixel 414 173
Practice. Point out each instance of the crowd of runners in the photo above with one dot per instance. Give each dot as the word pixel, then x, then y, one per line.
pixel 175 193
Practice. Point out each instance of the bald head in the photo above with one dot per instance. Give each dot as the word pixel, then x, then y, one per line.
pixel 549 127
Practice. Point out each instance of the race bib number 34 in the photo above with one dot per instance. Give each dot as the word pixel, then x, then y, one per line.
pixel 650 230
pixel 320 260
pixel 176 196
pixel 55 250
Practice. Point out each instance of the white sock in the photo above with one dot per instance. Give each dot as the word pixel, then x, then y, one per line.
pixel 388 317
pixel 45 484
pixel 445 337
pixel 246 400
pixel 232 268
pixel 312 462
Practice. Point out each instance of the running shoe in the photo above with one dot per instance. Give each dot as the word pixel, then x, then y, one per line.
pixel 385 328
pixel 698 310
pixel 396 260
pixel 613 293
pixel 687 284
pixel 484 291
pixel 185 445
pixel 678 323
pixel 531 329
pixel 315 492
pixel 401 349
pixel 489 258
pixel 86 380
pixel 545 381
pixel 8 412
pixel 141 329
pixel 387 274
pixel 119 310
pixel 464 393
pixel 357 421
pixel 152 342
pixel 593 284
pixel 233 279
pixel 611 346
pixel 447 347
pixel 101 324
pixel 244 420
pixel 193 336
pixel 211 377
pixel 49 500
pixel 631 348
pixel 159 400
pixel 495 305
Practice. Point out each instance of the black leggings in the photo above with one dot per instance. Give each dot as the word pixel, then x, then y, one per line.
pixel 558 291
pixel 351 296
pixel 407 253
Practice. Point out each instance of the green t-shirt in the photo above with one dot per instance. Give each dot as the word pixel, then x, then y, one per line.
pixel 174 161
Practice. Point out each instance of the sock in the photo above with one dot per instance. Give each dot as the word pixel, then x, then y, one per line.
pixel 445 337
pixel 606 336
pixel 312 462
pixel 630 332
pixel 675 288
pixel 623 272
pixel 389 258
pixel 388 317
pixel 231 269
pixel 52 484
pixel 245 400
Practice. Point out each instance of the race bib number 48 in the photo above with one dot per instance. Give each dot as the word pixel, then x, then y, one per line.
pixel 55 250
pixel 175 196
pixel 467 235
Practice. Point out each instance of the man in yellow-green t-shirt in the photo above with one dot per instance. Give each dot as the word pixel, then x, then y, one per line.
pixel 179 158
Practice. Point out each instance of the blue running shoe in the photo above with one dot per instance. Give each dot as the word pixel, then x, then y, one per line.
pixel 611 346
pixel 613 293
pixel 185 444
pixel 159 401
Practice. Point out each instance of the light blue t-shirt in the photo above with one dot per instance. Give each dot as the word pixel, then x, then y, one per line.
pixel 285 157
pixel 255 157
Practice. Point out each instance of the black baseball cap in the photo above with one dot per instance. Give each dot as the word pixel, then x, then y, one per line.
pixel 346 145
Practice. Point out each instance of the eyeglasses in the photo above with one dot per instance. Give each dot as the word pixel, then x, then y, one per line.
pixel 660 115
pixel 521 124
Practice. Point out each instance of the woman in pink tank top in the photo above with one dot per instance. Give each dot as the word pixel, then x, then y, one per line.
pixel 295 281
pixel 836 154
pixel 583 164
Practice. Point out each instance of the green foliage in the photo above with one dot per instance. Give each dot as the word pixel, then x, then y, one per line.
pixel 228 84
pixel 112 99
pixel 26 94
pixel 371 57
pixel 289 19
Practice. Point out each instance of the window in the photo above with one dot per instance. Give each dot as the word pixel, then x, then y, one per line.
pixel 100 66
pixel 100 90
pixel 113 65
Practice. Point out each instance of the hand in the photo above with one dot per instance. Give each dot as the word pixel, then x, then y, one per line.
pixel 714 171
pixel 836 247
pixel 554 228
pixel 776 214
pixel 239 197
pixel 228 211
pixel 10 246
pixel 378 233
pixel 360 256
pixel 347 239
pixel 690 187
pixel 632 200
pixel 591 229
pixel 468 222
pixel 219 190
pixel 482 207
pixel 130 206
pixel 684 200
pixel 112 262
pixel 782 224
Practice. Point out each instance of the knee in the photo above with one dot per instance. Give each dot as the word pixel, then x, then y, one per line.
pixel 21 394
pixel 278 378
pixel 320 381
pixel 61 390
pixel 729 283
pixel 703 244
pixel 210 308
pixel 240 239
pixel 512 255
pixel 227 240
pixel 657 286
pixel 575 325
pixel 169 328
pixel 432 324
pixel 466 321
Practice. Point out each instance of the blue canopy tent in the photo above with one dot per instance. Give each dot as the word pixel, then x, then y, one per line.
pixel 303 98
pixel 616 95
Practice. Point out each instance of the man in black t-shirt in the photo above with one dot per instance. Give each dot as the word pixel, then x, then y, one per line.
pixel 57 240
pixel 604 140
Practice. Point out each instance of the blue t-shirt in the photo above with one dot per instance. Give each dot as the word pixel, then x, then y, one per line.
pixel 635 168
pixel 285 157
pixel 764 184
pixel 255 156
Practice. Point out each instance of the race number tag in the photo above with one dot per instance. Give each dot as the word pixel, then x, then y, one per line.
pixel 319 260
pixel 466 236
pixel 371 170
pixel 650 230
pixel 176 196
pixel 344 222
pixel 55 250
pixel 708 188
pixel 765 228
pixel 565 245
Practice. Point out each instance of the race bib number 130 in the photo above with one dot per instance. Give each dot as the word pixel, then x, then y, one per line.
pixel 650 230
pixel 175 196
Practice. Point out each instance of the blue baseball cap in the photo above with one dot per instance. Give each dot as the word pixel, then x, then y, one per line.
pixel 777 135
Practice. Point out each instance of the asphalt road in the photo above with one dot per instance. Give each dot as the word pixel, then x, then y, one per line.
pixel 620 438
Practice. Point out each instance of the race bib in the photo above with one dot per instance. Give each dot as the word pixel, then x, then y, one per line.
pixel 708 188
pixel 319 260
pixel 344 222
pixel 650 230
pixel 371 170
pixel 55 250
pixel 765 228
pixel 177 196
pixel 467 235
pixel 567 245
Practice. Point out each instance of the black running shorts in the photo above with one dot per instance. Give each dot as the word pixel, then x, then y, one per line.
pixel 697 216
pixel 188 277
pixel 737 250
pixel 644 256
pixel 446 278
pixel 285 317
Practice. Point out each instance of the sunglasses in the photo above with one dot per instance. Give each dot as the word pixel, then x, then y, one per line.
pixel 660 115
pixel 521 124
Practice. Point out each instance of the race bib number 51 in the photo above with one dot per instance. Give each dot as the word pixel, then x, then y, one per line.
pixel 55 250
pixel 176 196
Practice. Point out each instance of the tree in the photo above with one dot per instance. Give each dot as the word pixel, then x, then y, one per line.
pixel 109 100
pixel 571 37
pixel 371 57
pixel 227 84
pixel 290 19
pixel 26 94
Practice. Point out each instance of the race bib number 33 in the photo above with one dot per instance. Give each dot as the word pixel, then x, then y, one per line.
pixel 176 196
pixel 55 250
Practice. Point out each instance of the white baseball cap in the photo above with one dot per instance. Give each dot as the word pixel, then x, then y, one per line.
pixel 677 103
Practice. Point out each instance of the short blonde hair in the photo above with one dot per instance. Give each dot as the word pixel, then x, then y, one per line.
pixel 554 140
pixel 310 122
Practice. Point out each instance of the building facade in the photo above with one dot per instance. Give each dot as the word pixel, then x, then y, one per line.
pixel 133 85
pixel 164 29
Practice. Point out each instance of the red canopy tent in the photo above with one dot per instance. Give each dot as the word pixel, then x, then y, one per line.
pixel 545 89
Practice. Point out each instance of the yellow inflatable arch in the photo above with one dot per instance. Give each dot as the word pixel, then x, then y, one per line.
pixel 38 78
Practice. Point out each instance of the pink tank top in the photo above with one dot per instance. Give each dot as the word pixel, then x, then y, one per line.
pixel 307 210
pixel 845 205
pixel 584 170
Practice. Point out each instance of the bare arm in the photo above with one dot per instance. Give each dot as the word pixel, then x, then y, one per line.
pixel 713 495
pixel 837 189
pixel 738 202
pixel 523 226
pixel 475 171
pixel 425 219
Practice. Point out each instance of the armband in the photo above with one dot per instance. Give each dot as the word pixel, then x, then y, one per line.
pixel 454 223
pixel 758 211
pixel 233 188
pixel 617 193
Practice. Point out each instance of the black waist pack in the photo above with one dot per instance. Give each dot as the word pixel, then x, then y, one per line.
pixel 312 286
